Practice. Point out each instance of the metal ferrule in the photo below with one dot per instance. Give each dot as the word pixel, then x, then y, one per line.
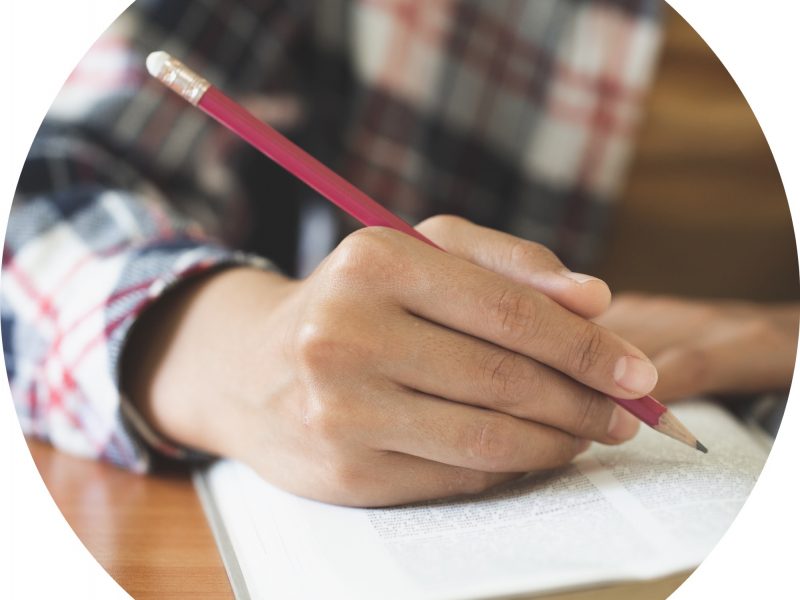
pixel 182 80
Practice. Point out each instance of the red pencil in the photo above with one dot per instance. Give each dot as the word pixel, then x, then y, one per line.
pixel 199 92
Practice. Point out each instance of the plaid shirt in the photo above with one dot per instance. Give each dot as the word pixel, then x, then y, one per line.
pixel 515 114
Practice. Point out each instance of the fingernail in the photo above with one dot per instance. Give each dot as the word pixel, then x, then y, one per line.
pixel 582 445
pixel 623 425
pixel 635 375
pixel 579 277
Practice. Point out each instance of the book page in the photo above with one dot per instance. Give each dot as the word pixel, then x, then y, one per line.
pixel 645 509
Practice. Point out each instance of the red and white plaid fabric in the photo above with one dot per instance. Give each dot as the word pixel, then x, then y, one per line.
pixel 516 114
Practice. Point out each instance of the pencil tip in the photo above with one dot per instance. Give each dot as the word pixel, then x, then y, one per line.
pixel 700 447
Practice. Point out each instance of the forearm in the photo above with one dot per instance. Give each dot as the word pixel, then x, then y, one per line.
pixel 767 352
pixel 710 346
pixel 187 356
pixel 781 336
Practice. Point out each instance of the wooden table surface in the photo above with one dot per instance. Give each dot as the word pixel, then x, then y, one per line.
pixel 150 533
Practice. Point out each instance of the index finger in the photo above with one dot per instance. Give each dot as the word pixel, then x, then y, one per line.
pixel 524 261
pixel 468 298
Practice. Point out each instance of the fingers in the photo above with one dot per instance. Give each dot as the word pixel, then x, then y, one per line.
pixel 401 479
pixel 526 262
pixel 465 436
pixel 468 298
pixel 444 363
pixel 414 479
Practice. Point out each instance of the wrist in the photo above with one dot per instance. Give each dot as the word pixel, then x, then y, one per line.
pixel 180 366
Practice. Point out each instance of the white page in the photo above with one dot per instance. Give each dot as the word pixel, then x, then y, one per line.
pixel 645 509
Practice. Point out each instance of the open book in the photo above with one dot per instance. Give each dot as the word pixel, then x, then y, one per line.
pixel 646 509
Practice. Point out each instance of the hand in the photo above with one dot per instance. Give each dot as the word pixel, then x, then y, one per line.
pixel 395 372
pixel 705 347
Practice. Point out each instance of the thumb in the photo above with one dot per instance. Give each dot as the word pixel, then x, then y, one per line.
pixel 521 260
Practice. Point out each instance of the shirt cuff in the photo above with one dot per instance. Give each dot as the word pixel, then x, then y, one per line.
pixel 174 266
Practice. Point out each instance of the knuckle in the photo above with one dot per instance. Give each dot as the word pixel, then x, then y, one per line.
pixel 586 350
pixel 316 346
pixel 491 444
pixel 361 254
pixel 514 314
pixel 323 417
pixel 503 374
pixel 367 239
pixel 330 346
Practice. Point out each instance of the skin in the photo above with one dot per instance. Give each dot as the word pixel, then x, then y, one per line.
pixel 395 372
pixel 709 347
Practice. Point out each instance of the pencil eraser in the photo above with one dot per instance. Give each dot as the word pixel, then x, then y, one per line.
pixel 155 62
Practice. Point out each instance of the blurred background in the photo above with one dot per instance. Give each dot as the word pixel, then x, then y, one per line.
pixel 703 212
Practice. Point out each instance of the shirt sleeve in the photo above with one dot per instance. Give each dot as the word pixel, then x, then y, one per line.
pixel 81 262
pixel 126 192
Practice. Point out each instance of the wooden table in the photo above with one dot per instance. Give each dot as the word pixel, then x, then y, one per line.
pixel 150 533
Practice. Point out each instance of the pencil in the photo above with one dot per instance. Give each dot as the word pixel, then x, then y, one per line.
pixel 200 93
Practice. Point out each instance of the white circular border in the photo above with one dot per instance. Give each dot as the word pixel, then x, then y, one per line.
pixel 42 40
pixel 40 556
pixel 758 43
